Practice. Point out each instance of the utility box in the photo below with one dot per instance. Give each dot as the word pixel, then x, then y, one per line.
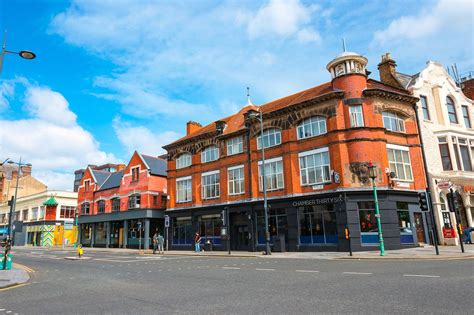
pixel 279 243
pixel 9 262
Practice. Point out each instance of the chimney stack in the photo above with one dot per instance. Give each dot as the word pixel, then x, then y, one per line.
pixel 192 126
pixel 387 68
pixel 25 171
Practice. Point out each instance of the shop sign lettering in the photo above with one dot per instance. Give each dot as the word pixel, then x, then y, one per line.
pixel 321 201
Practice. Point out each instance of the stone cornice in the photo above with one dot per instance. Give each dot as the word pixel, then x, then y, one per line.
pixel 390 95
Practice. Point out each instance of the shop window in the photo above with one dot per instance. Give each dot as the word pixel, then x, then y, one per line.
pixel 100 237
pixel 235 177
pixel 182 232
pixel 404 223
pixel 211 185
pixel 311 127
pixel 101 206
pixel 135 232
pixel 210 229
pixel 134 201
pixel 368 223
pixel 86 234
pixel 270 137
pixel 277 225
pixel 317 225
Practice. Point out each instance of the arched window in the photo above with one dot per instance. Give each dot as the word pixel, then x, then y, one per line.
pixel 271 137
pixel 101 206
pixel 311 127
pixel 184 160
pixel 393 121
pixel 211 153
pixel 451 110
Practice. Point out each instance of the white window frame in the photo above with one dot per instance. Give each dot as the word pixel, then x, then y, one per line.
pixel 237 184
pixel 188 197
pixel 402 163
pixel 206 194
pixel 268 175
pixel 206 154
pixel 235 145
pixel 183 160
pixel 396 122
pixel 356 117
pixel 325 169
pixel 269 133
pixel 311 127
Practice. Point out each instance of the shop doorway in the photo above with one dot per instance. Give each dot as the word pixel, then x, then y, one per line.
pixel 419 227
pixel 240 237
pixel 116 230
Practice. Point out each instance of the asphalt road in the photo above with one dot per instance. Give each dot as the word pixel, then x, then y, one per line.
pixel 119 283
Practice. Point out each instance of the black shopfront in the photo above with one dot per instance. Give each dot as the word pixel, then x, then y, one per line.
pixel 314 222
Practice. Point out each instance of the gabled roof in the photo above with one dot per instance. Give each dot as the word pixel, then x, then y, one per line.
pixel 112 181
pixel 100 176
pixel 155 165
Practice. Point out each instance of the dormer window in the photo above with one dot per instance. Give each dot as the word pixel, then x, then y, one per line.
pixel 209 154
pixel 311 127
pixel 184 160
pixel 271 137
pixel 393 122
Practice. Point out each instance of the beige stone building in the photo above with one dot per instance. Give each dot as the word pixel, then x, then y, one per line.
pixel 447 127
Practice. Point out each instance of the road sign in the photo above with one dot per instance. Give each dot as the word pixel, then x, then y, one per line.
pixel 167 221
pixel 445 184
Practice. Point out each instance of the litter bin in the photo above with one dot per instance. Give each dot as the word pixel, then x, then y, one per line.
pixel 279 244
pixel 208 246
pixel 9 261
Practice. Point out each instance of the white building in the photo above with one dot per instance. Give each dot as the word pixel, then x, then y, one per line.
pixel 42 219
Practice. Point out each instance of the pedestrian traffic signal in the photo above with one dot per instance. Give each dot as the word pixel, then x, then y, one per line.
pixel 453 202
pixel 423 201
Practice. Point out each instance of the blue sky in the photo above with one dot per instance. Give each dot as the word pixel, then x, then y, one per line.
pixel 113 76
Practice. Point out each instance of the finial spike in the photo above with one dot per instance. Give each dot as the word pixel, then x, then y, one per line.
pixel 344 44
pixel 249 102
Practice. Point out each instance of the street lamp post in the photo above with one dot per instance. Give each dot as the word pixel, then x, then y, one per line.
pixel 373 175
pixel 76 219
pixel 253 114
pixel 25 54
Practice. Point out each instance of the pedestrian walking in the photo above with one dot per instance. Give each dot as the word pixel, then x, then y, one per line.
pixel 155 242
pixel 161 241
pixel 197 242
pixel 467 235
pixel 80 251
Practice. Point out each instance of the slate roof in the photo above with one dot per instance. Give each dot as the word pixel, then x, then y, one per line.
pixel 236 122
pixel 112 181
pixel 157 166
pixel 100 176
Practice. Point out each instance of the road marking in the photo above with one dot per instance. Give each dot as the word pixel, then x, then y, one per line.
pixel 2 310
pixel 422 276
pixel 306 271
pixel 264 269
pixel 357 273
pixel 232 268
pixel 8 312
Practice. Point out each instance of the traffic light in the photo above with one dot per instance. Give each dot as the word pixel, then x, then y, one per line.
pixel 453 202
pixel 423 201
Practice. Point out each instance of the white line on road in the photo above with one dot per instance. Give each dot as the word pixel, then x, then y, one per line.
pixel 2 310
pixel 264 269
pixel 422 276
pixel 306 271
pixel 357 273
pixel 232 268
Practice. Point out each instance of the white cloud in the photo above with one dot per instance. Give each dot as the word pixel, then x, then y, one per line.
pixel 283 18
pixel 55 147
pixel 141 138
pixel 6 91
pixel 441 31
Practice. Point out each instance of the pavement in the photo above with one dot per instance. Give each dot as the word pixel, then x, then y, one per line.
pixel 18 275
pixel 119 281
pixel 416 253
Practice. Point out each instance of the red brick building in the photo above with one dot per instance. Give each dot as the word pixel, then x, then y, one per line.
pixel 117 209
pixel 318 145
